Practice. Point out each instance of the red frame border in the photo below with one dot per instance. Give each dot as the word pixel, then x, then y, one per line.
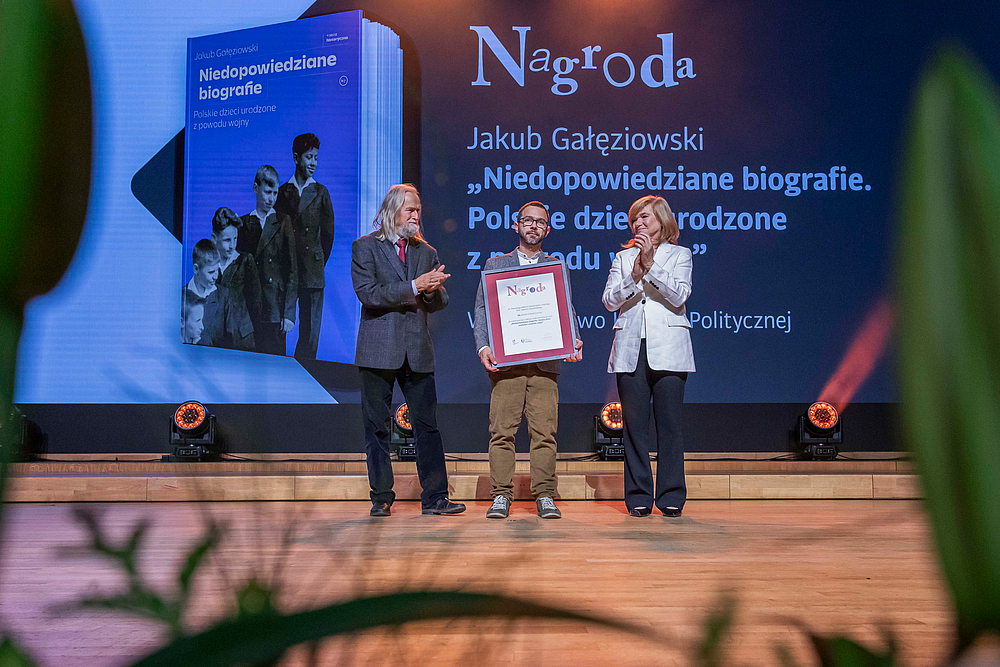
pixel 493 314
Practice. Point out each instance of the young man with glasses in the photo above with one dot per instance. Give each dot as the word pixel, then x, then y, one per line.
pixel 528 390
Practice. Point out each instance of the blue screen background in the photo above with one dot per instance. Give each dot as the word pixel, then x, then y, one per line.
pixel 792 88
pixel 221 162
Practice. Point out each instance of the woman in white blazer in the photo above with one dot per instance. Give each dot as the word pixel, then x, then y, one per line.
pixel 651 355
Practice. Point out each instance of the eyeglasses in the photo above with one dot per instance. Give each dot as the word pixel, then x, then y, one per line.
pixel 533 222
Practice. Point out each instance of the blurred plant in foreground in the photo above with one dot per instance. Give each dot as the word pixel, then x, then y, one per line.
pixel 949 338
pixel 948 301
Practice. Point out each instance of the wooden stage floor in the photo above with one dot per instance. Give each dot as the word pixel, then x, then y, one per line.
pixel 851 566
pixel 747 476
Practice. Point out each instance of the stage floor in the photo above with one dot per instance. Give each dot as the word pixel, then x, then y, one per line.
pixel 720 476
pixel 846 566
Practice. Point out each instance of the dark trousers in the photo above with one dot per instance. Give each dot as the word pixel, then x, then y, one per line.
pixel 666 389
pixel 310 318
pixel 270 338
pixel 246 343
pixel 376 410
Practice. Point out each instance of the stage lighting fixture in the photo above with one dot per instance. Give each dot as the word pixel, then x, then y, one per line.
pixel 820 430
pixel 608 433
pixel 401 435
pixel 25 437
pixel 192 434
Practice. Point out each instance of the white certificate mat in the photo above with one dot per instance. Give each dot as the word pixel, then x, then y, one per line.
pixel 529 314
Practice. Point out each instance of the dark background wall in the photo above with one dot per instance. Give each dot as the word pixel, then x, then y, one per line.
pixel 792 88
pixel 730 427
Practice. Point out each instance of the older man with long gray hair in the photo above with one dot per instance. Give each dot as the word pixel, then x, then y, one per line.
pixel 399 280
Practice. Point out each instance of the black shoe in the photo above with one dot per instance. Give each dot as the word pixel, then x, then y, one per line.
pixel 444 506
pixel 380 509
pixel 639 511
pixel 500 508
pixel 547 508
pixel 671 511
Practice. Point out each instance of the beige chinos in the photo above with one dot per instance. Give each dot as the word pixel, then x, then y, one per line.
pixel 527 391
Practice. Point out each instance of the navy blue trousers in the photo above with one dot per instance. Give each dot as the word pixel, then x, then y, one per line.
pixel 664 391
pixel 310 319
pixel 376 411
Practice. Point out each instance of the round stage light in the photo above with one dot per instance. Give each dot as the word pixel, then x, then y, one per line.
pixel 822 415
pixel 190 417
pixel 402 420
pixel 611 418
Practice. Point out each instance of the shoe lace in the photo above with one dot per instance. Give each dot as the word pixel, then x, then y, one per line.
pixel 548 503
pixel 500 501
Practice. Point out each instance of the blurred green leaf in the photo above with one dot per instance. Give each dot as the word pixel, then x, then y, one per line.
pixel 125 556
pixel 949 299
pixel 45 113
pixel 139 602
pixel 843 652
pixel 140 599
pixel 254 600
pixel 252 639
pixel 709 653
pixel 10 656
pixel 784 655
pixel 196 557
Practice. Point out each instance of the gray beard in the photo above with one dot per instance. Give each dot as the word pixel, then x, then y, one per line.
pixel 407 231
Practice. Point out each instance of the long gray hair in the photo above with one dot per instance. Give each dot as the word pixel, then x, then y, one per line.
pixel 385 219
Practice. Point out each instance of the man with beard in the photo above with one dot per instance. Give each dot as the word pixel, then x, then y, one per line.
pixel 399 280
pixel 528 390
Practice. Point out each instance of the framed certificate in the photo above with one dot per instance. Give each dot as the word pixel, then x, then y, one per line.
pixel 528 314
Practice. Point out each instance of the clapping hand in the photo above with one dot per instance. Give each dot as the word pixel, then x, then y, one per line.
pixel 644 260
pixel 432 280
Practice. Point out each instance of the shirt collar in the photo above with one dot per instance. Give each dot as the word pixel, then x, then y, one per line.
pixel 294 182
pixel 232 258
pixel 255 213
pixel 524 259
pixel 194 289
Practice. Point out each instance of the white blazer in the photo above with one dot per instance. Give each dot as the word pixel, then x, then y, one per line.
pixel 658 300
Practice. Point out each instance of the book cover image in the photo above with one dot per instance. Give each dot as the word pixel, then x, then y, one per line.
pixel 291 131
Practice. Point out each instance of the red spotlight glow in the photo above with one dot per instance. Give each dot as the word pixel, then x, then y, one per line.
pixel 823 415
pixel 403 418
pixel 611 415
pixel 190 415
pixel 862 355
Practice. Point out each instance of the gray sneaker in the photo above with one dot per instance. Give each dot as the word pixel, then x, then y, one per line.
pixel 547 508
pixel 499 509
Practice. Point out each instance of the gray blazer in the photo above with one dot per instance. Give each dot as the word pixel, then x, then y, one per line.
pixel 479 329
pixel 393 320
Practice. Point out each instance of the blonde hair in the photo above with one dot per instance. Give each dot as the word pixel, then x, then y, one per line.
pixel 385 219
pixel 669 231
